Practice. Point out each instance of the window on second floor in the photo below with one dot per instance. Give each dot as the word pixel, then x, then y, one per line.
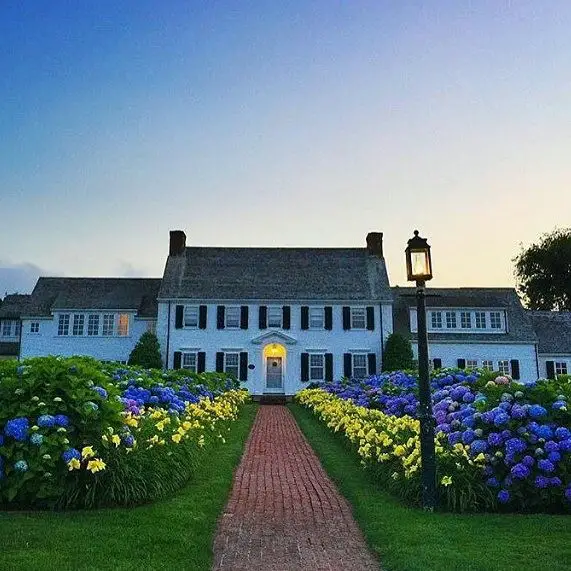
pixel 232 317
pixel 316 317
pixel 78 323
pixel 93 325
pixel 436 319
pixel 480 317
pixel 35 327
pixel 495 320
pixel 275 315
pixel 191 316
pixel 108 324
pixel 451 320
pixel 465 320
pixel 358 318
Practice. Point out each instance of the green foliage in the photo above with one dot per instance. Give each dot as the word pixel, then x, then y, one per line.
pixel 543 272
pixel 398 353
pixel 147 352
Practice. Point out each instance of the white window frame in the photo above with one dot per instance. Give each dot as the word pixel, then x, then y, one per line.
pixel 317 366
pixel 436 319
pixel 560 367
pixel 123 325
pixel 108 325
pixel 34 327
pixel 234 312
pixel 358 314
pixel 186 361
pixel 451 320
pixel 504 367
pixel 78 325
pixel 6 328
pixel 465 320
pixel 275 316
pixel 316 318
pixel 93 324
pixel 471 363
pixel 354 366
pixel 191 316
pixel 496 320
pixel 229 368
pixel 488 365
pixel 63 324
pixel 478 316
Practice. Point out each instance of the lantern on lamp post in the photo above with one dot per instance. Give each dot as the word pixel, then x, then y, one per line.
pixel 419 270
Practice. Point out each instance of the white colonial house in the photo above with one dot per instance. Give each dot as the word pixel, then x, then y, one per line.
pixel 275 317
pixel 278 318
pixel 100 317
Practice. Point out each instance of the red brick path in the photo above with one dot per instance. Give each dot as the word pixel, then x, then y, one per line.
pixel 284 512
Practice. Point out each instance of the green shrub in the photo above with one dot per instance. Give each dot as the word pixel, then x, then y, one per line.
pixel 147 352
pixel 398 353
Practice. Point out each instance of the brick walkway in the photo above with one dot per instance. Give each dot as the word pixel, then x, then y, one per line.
pixel 284 513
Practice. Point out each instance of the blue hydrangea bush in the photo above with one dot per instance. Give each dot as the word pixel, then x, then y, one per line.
pixel 78 433
pixel 516 438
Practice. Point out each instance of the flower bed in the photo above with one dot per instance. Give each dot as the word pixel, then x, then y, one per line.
pixel 499 444
pixel 77 433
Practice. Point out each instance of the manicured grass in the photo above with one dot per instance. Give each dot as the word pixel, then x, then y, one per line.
pixel 171 534
pixel 410 539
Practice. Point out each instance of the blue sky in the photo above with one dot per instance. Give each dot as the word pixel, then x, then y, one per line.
pixel 299 123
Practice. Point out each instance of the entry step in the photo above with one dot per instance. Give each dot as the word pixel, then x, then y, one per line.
pixel 272 398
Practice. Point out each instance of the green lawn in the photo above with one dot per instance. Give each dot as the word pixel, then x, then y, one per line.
pixel 172 534
pixel 409 539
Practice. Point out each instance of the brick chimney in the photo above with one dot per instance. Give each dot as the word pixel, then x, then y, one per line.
pixel 177 243
pixel 375 244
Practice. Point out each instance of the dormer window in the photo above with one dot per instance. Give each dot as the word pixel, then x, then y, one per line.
pixel 436 319
pixel 465 320
pixel 451 320
pixel 496 320
pixel 480 319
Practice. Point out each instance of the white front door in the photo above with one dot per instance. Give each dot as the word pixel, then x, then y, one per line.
pixel 274 374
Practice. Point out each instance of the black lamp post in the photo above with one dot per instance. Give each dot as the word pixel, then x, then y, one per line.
pixel 419 270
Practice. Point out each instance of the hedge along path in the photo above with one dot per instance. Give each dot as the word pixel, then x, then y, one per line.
pixel 284 513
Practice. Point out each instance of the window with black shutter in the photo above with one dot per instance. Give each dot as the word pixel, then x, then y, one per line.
pixel 219 362
pixel 179 313
pixel 220 314
pixel 202 317
pixel 286 317
pixel 370 318
pixel 515 369
pixel 328 318
pixel 304 317
pixel 329 367
pixel 346 317
pixel 372 362
pixel 243 366
pixel 244 317
pixel 550 369
pixel 201 362
pixel 305 367
pixel 347 365
pixel 437 363
pixel 461 363
pixel 177 360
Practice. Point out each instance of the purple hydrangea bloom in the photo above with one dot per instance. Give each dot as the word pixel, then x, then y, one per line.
pixel 515 445
pixel 537 411
pixel 501 418
pixel 544 431
pixel 101 392
pixel 565 445
pixel 562 433
pixel 61 420
pixel 546 465
pixel 520 471
pixel 492 482
pixel 503 496
pixel 70 453
pixel 495 439
pixel 528 461
pixel 46 421
pixel 555 481
pixel 17 428
pixel 518 412
pixel 468 436
pixel 568 494
pixel 554 457
pixel 541 482
pixel 551 446
pixel 478 446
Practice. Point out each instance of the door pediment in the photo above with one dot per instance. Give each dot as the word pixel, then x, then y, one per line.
pixel 274 337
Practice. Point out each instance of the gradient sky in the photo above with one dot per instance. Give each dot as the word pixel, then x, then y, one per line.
pixel 298 123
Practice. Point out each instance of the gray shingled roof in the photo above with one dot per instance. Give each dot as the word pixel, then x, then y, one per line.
pixel 52 294
pixel 14 305
pixel 553 328
pixel 275 274
pixel 519 322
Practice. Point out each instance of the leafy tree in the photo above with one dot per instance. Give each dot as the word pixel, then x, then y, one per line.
pixel 543 272
pixel 398 353
pixel 147 352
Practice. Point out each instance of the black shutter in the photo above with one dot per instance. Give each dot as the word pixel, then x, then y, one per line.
pixel 461 363
pixel 329 318
pixel 305 367
pixel 329 367
pixel 286 317
pixel 347 365
pixel 372 359
pixel 437 363
pixel 244 317
pixel 202 317
pixel 220 310
pixel 346 317
pixel 244 366
pixel 304 317
pixel 370 318
pixel 550 366
pixel 201 362
pixel 178 316
pixel 177 359
pixel 263 317
pixel 219 362
pixel 515 369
